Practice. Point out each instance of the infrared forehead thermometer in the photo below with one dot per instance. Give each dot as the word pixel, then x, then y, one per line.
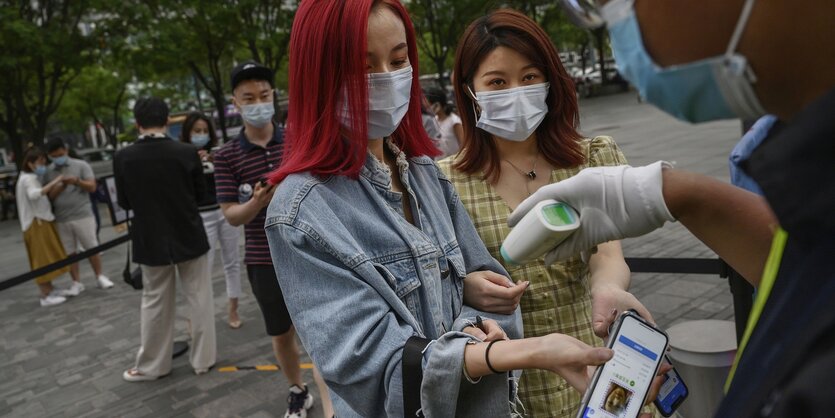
pixel 544 227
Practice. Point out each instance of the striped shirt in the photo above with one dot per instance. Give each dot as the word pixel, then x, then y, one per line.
pixel 239 165
pixel 558 298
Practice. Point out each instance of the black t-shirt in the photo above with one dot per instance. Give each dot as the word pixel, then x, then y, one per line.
pixel 209 201
pixel 788 366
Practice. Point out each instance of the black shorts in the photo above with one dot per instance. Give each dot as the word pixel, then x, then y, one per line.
pixel 268 294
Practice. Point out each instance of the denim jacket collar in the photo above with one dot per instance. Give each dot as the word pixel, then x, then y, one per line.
pixel 378 172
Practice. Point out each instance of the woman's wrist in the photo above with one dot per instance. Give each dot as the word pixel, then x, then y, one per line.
pixel 504 355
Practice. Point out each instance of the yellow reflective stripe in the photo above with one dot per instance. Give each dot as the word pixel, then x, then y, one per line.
pixel 772 266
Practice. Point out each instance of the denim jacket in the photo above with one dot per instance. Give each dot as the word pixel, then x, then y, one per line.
pixel 359 280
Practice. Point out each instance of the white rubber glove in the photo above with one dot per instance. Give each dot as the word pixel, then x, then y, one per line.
pixel 613 203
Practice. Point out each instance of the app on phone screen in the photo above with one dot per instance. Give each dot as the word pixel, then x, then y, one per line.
pixel 625 379
pixel 671 390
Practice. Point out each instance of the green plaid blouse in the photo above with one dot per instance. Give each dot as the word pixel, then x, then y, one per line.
pixel 558 299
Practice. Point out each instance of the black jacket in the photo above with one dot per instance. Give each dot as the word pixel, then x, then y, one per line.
pixel 161 180
pixel 787 370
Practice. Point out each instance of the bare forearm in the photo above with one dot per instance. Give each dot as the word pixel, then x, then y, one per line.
pixel 738 225
pixel 607 267
pixel 504 356
pixel 53 192
pixel 53 189
pixel 88 186
pixel 240 214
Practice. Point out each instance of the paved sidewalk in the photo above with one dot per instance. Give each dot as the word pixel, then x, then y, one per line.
pixel 66 361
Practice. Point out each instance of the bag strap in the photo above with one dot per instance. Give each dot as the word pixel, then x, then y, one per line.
pixel 127 256
pixel 412 366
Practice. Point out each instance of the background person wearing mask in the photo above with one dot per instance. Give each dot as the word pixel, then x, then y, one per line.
pixel 452 132
pixel 752 61
pixel 198 131
pixel 74 218
pixel 161 180
pixel 35 215
pixel 241 169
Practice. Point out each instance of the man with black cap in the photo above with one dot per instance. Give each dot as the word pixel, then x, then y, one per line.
pixel 241 169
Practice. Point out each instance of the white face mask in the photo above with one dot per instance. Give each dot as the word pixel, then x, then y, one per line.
pixel 259 114
pixel 200 140
pixel 388 102
pixel 512 114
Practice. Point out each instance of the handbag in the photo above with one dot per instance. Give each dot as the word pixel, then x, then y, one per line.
pixel 132 277
pixel 412 372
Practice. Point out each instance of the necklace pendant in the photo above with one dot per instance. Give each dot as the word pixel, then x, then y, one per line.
pixel 531 174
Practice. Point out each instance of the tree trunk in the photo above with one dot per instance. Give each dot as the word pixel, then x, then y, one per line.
pixel 220 107
pixel 440 67
pixel 599 35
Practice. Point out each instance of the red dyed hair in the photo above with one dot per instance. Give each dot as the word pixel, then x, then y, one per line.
pixel 328 48
pixel 557 136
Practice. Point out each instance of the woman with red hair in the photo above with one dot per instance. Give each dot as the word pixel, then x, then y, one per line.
pixel 370 242
pixel 520 118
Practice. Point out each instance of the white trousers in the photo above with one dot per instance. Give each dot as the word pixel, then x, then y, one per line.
pixel 218 230
pixel 158 313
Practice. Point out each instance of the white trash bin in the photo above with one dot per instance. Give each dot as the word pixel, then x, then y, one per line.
pixel 702 353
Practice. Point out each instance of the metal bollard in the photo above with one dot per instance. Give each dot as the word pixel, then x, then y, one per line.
pixel 702 352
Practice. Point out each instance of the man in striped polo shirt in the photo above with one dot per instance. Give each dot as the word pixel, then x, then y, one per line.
pixel 241 169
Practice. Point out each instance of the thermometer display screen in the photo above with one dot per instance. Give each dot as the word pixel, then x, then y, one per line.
pixel 557 215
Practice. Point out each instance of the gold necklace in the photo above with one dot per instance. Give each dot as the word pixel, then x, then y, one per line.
pixel 530 175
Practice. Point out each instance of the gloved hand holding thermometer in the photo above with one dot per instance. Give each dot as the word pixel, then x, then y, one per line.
pixel 613 203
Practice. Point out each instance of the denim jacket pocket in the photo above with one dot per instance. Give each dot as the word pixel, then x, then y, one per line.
pixel 402 277
pixel 453 272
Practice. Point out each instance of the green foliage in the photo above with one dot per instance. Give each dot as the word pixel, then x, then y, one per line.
pixel 71 63
pixel 45 46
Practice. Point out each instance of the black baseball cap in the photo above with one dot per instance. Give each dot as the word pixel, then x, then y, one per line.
pixel 251 70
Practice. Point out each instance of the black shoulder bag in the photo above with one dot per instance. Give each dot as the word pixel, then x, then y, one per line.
pixel 132 278
pixel 412 371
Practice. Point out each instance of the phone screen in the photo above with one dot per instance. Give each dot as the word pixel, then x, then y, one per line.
pixel 622 383
pixel 672 393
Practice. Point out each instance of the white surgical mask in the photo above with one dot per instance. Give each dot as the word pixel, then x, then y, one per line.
pixel 388 102
pixel 512 114
pixel 200 140
pixel 258 115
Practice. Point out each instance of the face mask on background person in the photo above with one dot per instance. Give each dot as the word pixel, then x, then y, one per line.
pixel 62 160
pixel 199 140
pixel 259 114
pixel 709 89
pixel 40 170
pixel 388 101
pixel 512 114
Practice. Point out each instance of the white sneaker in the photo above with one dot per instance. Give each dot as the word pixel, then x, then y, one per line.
pixel 74 290
pixel 104 282
pixel 298 402
pixel 51 300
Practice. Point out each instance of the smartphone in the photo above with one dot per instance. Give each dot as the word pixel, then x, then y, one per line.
pixel 619 387
pixel 673 392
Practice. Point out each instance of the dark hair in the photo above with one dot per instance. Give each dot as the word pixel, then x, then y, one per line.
pixel 436 95
pixel 31 155
pixel 557 136
pixel 150 112
pixel 191 119
pixel 55 144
